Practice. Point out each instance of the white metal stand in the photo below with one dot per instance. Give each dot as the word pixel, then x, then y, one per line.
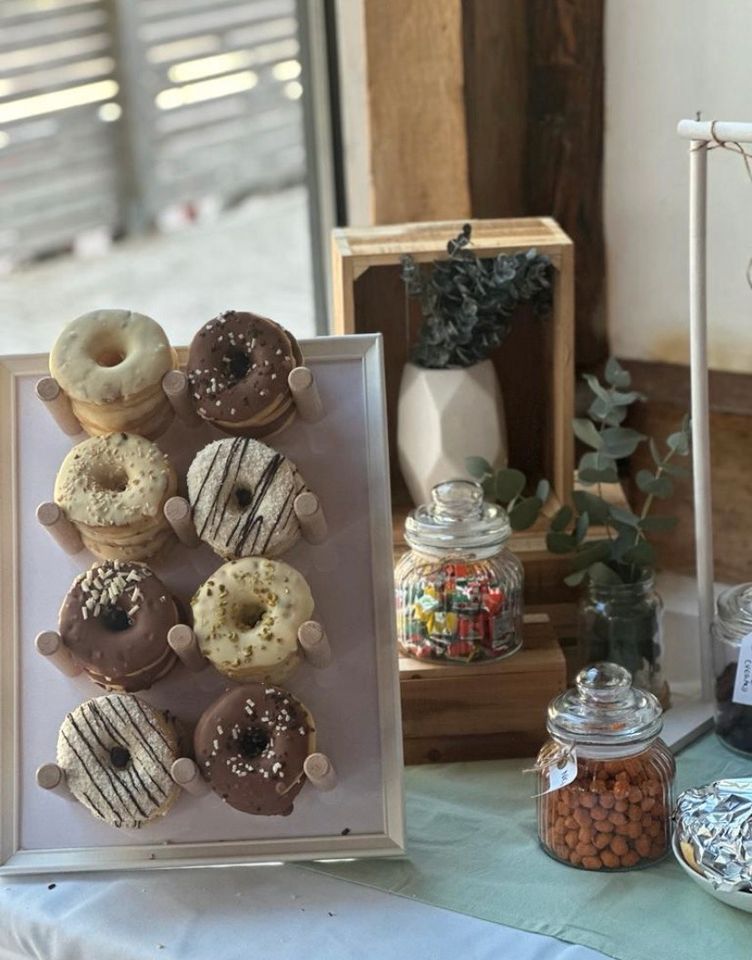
pixel 702 134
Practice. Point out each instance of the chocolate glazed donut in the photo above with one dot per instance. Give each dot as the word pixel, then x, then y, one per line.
pixel 114 620
pixel 237 369
pixel 251 745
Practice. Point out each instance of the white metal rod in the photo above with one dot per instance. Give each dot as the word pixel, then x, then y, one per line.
pixel 698 176
pixel 720 130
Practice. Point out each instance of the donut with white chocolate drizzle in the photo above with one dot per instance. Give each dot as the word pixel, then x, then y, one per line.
pixel 114 620
pixel 251 744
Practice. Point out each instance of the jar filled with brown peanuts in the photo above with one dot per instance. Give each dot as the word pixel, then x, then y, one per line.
pixel 605 778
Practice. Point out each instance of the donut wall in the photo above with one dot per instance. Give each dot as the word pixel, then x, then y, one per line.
pixel 260 722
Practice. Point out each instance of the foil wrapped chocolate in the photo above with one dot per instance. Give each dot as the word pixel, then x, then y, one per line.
pixel 714 832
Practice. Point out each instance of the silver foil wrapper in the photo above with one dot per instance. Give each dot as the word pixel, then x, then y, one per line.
pixel 716 822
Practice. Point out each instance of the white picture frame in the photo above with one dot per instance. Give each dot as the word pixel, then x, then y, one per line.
pixel 323 355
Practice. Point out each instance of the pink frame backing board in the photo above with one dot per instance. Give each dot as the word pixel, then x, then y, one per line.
pixel 355 701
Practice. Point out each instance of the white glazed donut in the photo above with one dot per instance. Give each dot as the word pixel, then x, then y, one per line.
pixel 242 494
pixel 110 363
pixel 116 753
pixel 246 618
pixel 113 489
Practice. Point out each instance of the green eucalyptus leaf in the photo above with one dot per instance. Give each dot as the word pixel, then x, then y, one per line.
pixel 626 539
pixel 595 507
pixel 660 487
pixel 478 467
pixel 509 484
pixel 616 375
pixel 585 430
pixel 658 524
pixel 620 399
pixel 600 573
pixel 679 443
pixel 561 518
pixel 597 468
pixel 590 553
pixel 641 554
pixel 595 385
pixel 489 488
pixel 557 542
pixel 543 490
pixel 576 578
pixel 621 442
pixel 626 517
pixel 524 513
pixel 607 413
pixel 581 527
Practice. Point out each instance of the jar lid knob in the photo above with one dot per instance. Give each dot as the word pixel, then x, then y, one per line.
pixel 457 500
pixel 604 682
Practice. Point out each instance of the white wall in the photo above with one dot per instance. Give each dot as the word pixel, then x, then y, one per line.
pixel 665 60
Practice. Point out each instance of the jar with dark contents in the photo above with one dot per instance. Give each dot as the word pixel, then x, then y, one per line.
pixel 459 588
pixel 732 645
pixel 605 778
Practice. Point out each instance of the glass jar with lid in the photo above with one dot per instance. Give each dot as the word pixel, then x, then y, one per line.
pixel 732 644
pixel 605 778
pixel 459 587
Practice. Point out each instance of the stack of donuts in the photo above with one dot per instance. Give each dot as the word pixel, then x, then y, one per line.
pixel 118 624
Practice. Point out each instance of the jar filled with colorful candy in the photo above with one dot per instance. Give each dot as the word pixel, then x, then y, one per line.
pixel 459 588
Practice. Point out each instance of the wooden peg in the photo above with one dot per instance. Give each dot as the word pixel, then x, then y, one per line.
pixel 178 514
pixel 311 517
pixel 184 644
pixel 305 394
pixel 315 644
pixel 51 777
pixel 50 644
pixel 59 527
pixel 320 771
pixel 59 406
pixel 187 775
pixel 177 390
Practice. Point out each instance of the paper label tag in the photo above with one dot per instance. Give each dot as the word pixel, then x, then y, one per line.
pixel 558 766
pixel 743 681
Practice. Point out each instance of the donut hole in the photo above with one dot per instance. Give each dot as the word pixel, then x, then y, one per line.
pixel 243 497
pixel 110 357
pixel 120 757
pixel 113 479
pixel 238 364
pixel 250 615
pixel 252 742
pixel 115 619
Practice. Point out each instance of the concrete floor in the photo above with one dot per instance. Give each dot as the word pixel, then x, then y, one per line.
pixel 255 257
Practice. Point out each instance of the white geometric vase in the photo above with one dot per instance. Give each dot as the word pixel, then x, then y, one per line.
pixel 444 416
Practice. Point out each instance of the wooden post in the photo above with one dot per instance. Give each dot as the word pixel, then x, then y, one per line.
pixel 176 388
pixel 314 644
pixel 310 514
pixel 184 645
pixel 58 405
pixel 305 393
pixel 177 512
pixel 50 645
pixel 187 775
pixel 60 528
pixel 320 771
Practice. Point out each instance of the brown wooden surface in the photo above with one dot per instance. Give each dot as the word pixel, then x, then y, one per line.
pixel 479 712
pixel 667 388
pixel 416 110
pixel 535 364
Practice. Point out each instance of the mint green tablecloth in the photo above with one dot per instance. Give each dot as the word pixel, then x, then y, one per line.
pixel 472 848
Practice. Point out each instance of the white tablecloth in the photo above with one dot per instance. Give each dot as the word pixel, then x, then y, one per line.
pixel 244 914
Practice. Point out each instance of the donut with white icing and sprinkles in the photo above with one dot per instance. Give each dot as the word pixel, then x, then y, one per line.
pixel 237 370
pixel 116 753
pixel 114 620
pixel 242 495
pixel 246 618
pixel 251 745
